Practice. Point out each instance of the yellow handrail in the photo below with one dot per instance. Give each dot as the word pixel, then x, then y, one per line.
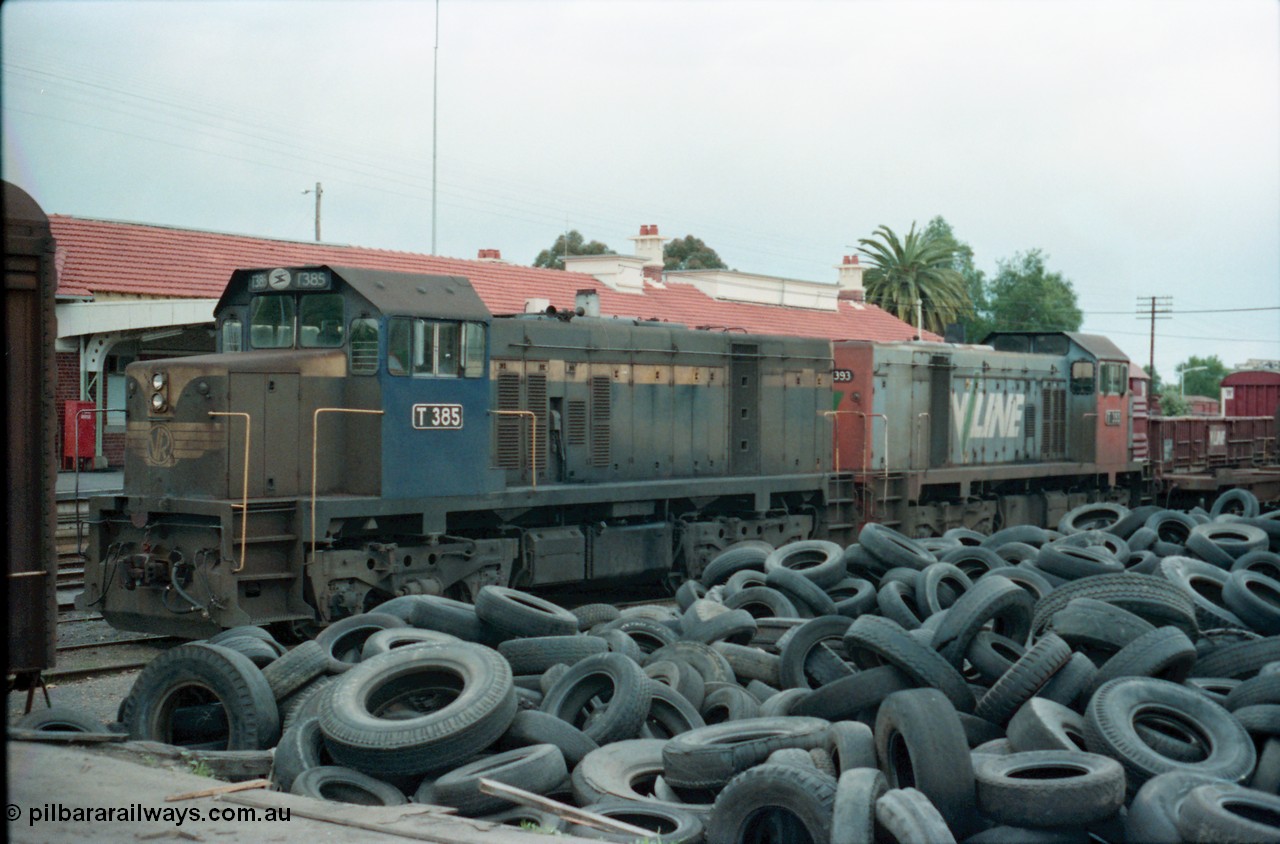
pixel 315 438
pixel 533 440
pixel 866 445
pixel 835 432
pixel 868 427
pixel 244 503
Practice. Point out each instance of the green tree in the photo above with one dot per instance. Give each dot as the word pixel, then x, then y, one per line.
pixel 1203 375
pixel 1172 404
pixel 690 253
pixel 914 269
pixel 570 244
pixel 975 322
pixel 1026 296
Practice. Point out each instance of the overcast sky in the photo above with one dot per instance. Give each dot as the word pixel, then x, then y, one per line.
pixel 1136 143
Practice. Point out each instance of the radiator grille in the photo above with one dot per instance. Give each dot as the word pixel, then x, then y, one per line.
pixel 577 422
pixel 1053 430
pixel 508 427
pixel 601 397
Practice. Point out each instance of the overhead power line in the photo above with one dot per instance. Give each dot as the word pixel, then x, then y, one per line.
pixel 1179 311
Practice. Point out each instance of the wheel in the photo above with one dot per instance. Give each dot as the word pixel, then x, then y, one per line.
pixel 921 744
pixel 1049 788
pixel 343 785
pixel 538 768
pixel 417 710
pixel 193 675
pixel 793 803
pixel 709 757
pixel 1118 707
pixel 605 695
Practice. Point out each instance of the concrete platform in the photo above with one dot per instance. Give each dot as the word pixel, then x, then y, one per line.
pixel 91 483
pixel 53 780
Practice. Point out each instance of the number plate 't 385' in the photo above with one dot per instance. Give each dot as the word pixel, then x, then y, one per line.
pixel 435 417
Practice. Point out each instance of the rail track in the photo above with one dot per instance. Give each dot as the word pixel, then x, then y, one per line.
pixel 90 659
pixel 88 646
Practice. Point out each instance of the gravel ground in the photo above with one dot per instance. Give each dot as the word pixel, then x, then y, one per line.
pixel 98 696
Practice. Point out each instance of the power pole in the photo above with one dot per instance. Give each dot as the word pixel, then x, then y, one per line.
pixel 318 191
pixel 919 319
pixel 435 87
pixel 1154 307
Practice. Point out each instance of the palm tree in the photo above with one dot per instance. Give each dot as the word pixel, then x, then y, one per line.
pixel 917 268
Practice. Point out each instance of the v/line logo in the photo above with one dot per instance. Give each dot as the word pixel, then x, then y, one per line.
pixel 982 415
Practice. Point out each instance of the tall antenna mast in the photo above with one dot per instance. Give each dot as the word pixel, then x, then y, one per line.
pixel 435 87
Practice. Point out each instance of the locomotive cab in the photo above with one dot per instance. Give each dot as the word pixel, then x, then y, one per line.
pixel 231 458
pixel 1095 412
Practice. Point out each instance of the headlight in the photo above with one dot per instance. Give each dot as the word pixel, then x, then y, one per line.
pixel 157 381
pixel 157 402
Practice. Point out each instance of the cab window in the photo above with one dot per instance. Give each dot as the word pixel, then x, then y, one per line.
pixel 1082 378
pixel 363 351
pixel 1114 380
pixel 426 347
pixel 271 322
pixel 320 322
pixel 232 334
pixel 473 350
pixel 399 342
pixel 448 349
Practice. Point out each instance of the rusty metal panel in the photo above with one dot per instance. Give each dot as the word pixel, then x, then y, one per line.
pixel 1195 444
pixel 31 420
pixel 1253 392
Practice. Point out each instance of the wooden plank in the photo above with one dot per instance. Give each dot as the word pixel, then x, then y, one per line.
pixel 63 737
pixel 218 789
pixel 562 810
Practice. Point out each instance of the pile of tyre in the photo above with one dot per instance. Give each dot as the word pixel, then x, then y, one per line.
pixel 1116 679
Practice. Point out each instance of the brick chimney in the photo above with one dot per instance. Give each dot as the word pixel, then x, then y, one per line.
pixel 850 279
pixel 490 255
pixel 649 246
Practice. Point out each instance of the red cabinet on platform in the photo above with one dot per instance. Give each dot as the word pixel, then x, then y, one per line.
pixel 74 418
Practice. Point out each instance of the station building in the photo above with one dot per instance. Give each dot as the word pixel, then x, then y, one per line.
pixel 128 291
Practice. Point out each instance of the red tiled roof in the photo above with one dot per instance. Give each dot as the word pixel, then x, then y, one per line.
pixel 98 256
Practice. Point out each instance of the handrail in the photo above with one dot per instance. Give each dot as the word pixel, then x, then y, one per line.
pixel 866 451
pixel 533 440
pixel 244 503
pixel 835 432
pixel 315 438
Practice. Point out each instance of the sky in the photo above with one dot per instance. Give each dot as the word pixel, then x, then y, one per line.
pixel 1137 144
